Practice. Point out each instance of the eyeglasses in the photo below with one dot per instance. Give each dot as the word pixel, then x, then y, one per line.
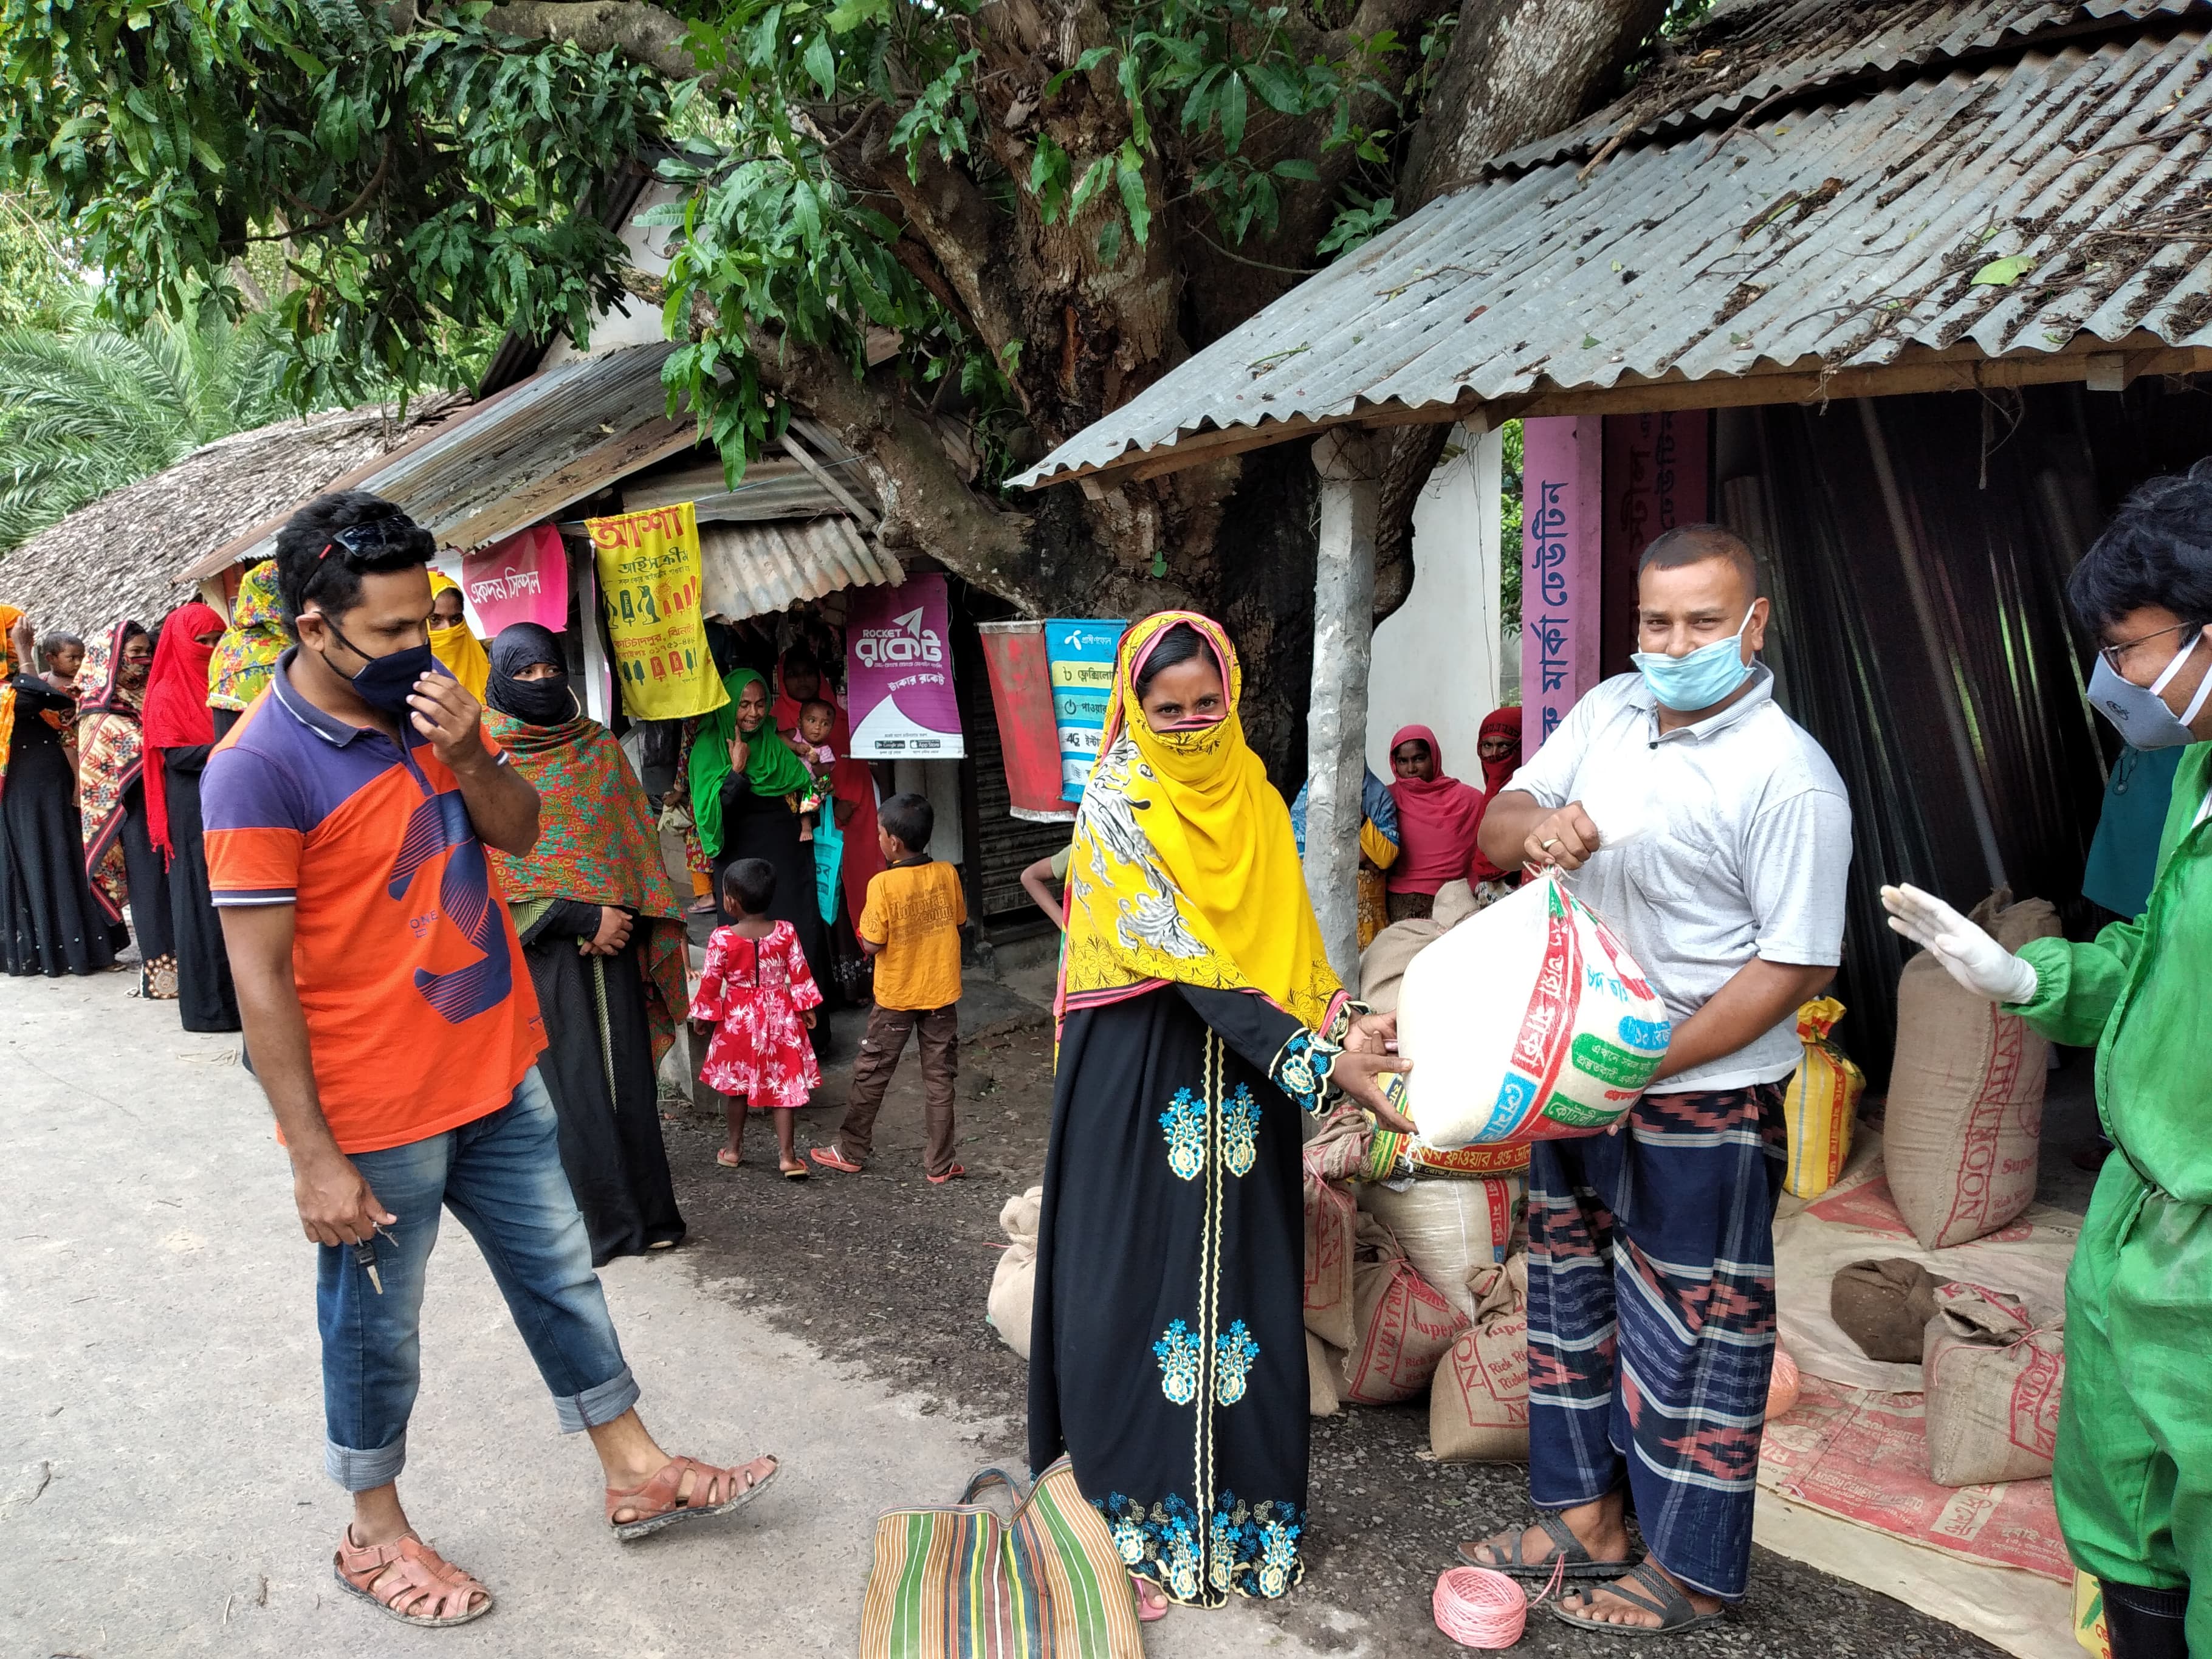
pixel 367 541
pixel 2114 654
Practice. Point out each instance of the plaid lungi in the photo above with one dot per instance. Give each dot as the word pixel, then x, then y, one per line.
pixel 1651 1322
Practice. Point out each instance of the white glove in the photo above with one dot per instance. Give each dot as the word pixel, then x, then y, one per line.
pixel 1969 955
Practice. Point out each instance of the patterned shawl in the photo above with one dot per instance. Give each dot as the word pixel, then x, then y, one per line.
pixel 1184 868
pixel 246 654
pixel 9 616
pixel 596 845
pixel 110 757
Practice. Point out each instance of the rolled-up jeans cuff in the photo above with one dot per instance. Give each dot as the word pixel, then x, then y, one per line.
pixel 602 1404
pixel 365 1471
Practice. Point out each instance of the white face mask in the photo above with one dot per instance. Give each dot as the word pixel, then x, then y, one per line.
pixel 2138 712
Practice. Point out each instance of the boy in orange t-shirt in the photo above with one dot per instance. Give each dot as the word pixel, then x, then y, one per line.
pixel 911 926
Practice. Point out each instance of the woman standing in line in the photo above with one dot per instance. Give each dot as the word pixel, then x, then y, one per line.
pixel 245 656
pixel 1499 741
pixel 1437 820
pixel 1197 1010
pixel 179 730
pixel 745 786
pixel 49 922
pixel 120 858
pixel 602 927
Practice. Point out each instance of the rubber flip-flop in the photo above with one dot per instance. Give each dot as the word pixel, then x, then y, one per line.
pixel 799 1174
pixel 953 1174
pixel 832 1158
pixel 1148 1612
pixel 1580 1563
pixel 728 1159
pixel 1676 1615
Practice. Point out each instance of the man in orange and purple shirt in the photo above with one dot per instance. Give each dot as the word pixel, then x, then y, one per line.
pixel 391 1023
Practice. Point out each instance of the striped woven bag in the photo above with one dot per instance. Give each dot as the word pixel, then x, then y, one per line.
pixel 966 1583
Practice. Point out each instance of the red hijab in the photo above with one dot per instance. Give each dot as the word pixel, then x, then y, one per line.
pixel 1496 774
pixel 174 714
pixel 1437 817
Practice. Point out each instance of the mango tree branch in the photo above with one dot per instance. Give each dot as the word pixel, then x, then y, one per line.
pixel 641 32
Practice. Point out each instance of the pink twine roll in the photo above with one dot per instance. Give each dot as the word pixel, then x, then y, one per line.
pixel 1782 1386
pixel 1480 1608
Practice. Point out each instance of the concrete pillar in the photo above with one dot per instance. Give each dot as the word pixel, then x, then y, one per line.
pixel 1336 718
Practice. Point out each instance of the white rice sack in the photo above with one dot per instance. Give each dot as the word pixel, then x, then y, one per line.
pixel 1529 1021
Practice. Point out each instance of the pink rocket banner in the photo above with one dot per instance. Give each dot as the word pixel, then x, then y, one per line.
pixel 898 672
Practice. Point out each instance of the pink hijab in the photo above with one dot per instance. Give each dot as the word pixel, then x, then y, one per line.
pixel 1437 820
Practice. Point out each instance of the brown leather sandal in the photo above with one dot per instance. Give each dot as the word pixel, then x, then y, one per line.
pixel 419 1587
pixel 661 1502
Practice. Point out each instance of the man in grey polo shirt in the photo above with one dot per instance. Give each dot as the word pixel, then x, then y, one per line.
pixel 1651 1254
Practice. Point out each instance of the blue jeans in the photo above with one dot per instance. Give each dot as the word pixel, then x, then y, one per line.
pixel 502 1177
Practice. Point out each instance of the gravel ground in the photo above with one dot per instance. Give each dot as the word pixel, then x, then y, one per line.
pixel 888 1271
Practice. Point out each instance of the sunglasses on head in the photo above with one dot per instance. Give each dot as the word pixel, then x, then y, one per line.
pixel 368 540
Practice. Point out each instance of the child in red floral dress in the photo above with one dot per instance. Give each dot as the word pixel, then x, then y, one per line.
pixel 756 994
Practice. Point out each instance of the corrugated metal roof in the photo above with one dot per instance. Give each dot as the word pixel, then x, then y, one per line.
pixel 1831 237
pixel 1751 54
pixel 509 461
pixel 752 569
pixel 770 489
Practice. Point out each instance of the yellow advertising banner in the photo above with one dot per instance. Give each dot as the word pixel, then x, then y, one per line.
pixel 649 577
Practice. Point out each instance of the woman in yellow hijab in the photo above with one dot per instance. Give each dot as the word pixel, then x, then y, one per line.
pixel 451 642
pixel 1198 1015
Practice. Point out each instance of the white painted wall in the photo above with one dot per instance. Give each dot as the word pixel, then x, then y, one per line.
pixel 1437 660
pixel 611 330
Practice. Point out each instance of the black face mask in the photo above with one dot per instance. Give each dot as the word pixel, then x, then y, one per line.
pixel 386 683
pixel 547 702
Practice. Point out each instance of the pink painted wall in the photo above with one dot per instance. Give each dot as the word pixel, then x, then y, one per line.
pixel 1562 543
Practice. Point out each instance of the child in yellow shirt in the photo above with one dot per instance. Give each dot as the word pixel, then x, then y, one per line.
pixel 911 926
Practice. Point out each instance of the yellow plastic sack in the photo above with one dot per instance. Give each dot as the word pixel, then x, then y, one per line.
pixel 2089 1616
pixel 1821 1104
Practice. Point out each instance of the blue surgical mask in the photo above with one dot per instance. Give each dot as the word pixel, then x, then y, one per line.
pixel 1700 679
pixel 2138 712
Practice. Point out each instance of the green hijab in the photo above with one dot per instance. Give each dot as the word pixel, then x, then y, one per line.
pixel 770 767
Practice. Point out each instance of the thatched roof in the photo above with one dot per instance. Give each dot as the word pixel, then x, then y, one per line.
pixel 117 556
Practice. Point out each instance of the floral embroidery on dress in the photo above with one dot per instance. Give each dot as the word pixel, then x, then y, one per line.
pixel 1251 1549
pixel 1234 1351
pixel 1184 1120
pixel 1301 1071
pixel 1240 1131
pixel 1162 1540
pixel 1178 1352
pixel 1255 1545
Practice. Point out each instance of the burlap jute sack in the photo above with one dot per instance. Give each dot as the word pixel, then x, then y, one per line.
pixel 1479 1402
pixel 1992 1381
pixel 1964 1119
pixel 1322 1363
pixel 1330 1217
pixel 1401 1328
pixel 1885 1307
pixel 1383 963
pixel 1013 1281
pixel 1451 1228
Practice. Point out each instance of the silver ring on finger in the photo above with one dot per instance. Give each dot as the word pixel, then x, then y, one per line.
pixel 1546 846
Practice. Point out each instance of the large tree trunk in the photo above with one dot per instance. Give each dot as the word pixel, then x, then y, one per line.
pixel 1234 538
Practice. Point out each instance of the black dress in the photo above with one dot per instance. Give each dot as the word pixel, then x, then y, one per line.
pixel 148 899
pixel 52 925
pixel 605 1092
pixel 206 1000
pixel 1167 1352
pixel 764 827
